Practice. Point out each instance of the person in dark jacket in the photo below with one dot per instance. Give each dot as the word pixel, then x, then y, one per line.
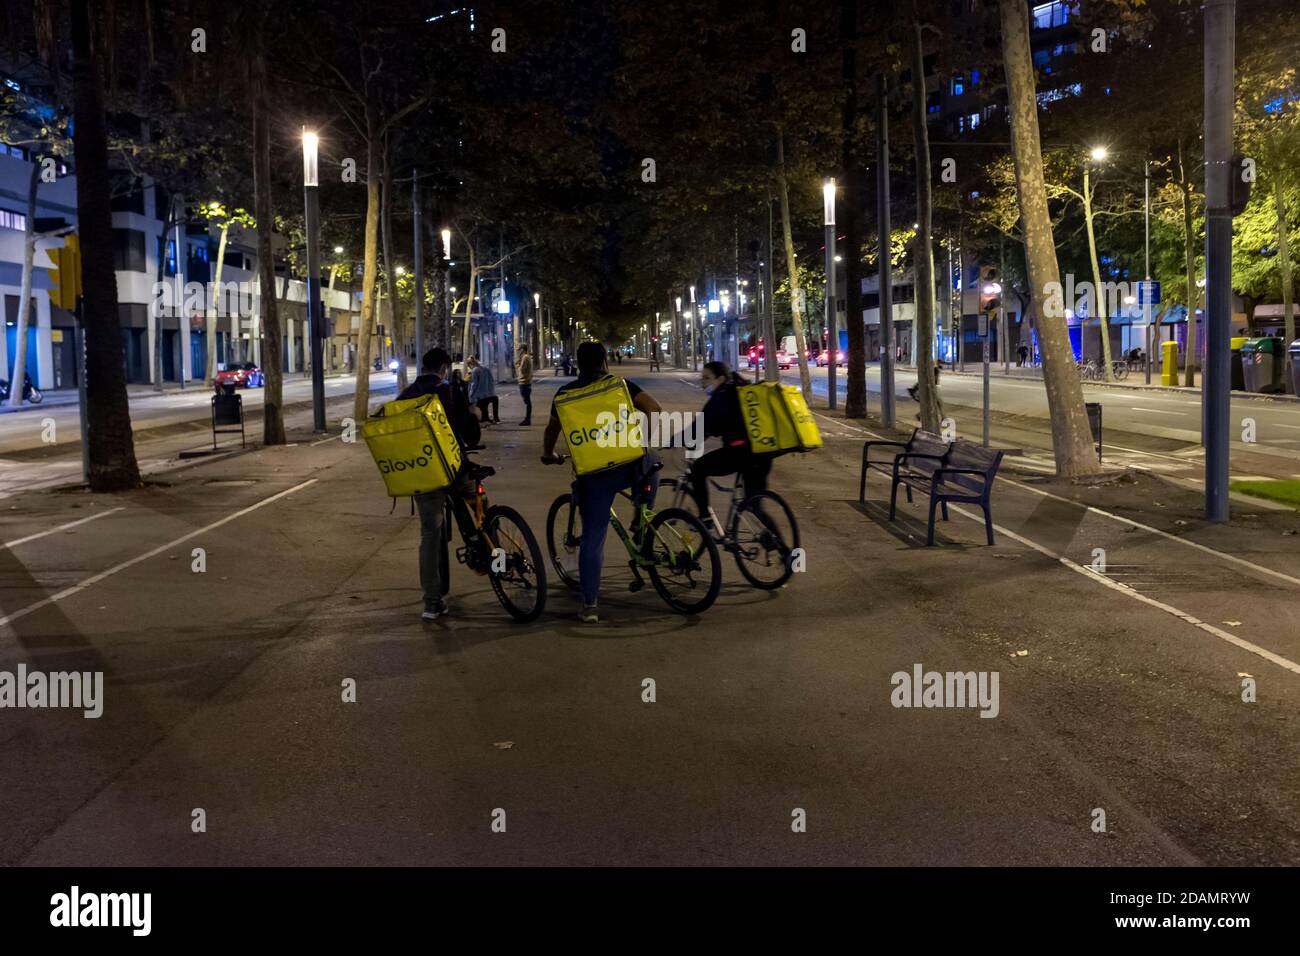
pixel 723 419
pixel 432 507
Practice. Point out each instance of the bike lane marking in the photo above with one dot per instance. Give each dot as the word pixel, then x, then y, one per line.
pixel 62 527
pixel 131 562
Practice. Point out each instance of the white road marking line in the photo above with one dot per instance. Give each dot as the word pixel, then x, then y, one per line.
pixel 1280 425
pixel 1155 411
pixel 1280 575
pixel 62 527
pixel 1138 596
pixel 96 578
pixel 324 440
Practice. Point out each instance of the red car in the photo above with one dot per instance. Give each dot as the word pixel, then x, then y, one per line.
pixel 240 375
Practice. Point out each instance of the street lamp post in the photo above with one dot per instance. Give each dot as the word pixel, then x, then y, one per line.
pixel 695 354
pixel 832 334
pixel 537 346
pixel 1146 297
pixel 315 323
pixel 444 331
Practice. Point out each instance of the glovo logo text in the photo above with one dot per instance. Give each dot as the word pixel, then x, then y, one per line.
pixel 390 465
pixel 753 423
pixel 621 429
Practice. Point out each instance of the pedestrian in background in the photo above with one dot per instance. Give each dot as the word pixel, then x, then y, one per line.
pixel 483 391
pixel 524 375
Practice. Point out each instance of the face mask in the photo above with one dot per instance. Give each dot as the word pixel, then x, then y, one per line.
pixel 708 389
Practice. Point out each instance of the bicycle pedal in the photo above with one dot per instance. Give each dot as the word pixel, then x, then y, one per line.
pixel 636 586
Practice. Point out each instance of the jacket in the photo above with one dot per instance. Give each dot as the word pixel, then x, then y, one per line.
pixel 481 384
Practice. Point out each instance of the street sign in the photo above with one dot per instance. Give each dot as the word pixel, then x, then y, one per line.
pixel 1149 292
pixel 983 328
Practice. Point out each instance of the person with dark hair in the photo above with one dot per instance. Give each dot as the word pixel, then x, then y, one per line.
pixel 596 492
pixel 524 376
pixel 432 507
pixel 723 419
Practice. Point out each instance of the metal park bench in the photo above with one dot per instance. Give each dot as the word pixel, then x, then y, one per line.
pixel 964 474
pixel 921 443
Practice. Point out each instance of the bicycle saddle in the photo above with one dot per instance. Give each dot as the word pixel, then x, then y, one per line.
pixel 477 471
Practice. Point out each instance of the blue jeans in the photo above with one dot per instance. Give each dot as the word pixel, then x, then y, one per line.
pixel 596 493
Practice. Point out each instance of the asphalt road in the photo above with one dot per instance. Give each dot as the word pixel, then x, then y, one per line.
pixel 224 688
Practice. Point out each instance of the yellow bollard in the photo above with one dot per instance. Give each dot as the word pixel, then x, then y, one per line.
pixel 1169 363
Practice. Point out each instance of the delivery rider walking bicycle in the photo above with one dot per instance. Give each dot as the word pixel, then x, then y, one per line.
pixel 597 490
pixel 432 506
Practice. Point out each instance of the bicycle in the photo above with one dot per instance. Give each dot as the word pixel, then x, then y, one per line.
pixel 760 530
pixel 672 546
pixel 497 542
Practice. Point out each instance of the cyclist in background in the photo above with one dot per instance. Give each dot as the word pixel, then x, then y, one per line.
pixel 596 492
pixel 723 419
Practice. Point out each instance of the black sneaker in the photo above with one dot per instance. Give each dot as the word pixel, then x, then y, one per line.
pixel 434 611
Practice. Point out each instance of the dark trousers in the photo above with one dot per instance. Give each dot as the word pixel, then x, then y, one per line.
pixel 729 460
pixel 526 393
pixel 432 508
pixel 484 404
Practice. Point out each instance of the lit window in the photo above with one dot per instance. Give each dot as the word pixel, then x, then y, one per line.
pixel 973 121
pixel 12 220
pixel 958 85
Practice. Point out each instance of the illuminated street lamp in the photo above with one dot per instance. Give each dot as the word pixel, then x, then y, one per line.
pixel 315 316
pixel 832 334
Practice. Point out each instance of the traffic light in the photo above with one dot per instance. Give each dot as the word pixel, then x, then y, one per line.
pixel 65 277
pixel 990 289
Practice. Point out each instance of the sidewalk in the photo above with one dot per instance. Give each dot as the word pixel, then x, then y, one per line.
pixel 1036 374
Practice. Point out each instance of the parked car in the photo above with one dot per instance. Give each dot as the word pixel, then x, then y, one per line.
pixel 241 375
pixel 783 359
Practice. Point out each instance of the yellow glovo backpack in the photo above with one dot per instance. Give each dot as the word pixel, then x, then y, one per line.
pixel 413 444
pixel 777 419
pixel 601 426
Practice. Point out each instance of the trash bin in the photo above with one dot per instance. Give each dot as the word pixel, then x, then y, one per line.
pixel 1261 364
pixel 1295 367
pixel 1238 380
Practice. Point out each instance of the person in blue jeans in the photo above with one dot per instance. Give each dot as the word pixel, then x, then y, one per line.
pixel 596 492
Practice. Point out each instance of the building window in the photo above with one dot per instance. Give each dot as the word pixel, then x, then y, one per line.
pixel 958 85
pixel 13 220
pixel 974 77
pixel 128 250
pixel 17 152
pixel 1048 15
pixel 932 104
pixel 973 121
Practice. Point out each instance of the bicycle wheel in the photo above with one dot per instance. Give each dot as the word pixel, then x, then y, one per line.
pixel 764 534
pixel 516 570
pixel 686 570
pixel 563 534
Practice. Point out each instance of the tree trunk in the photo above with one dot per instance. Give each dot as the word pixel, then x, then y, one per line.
pixel 467 337
pixel 1099 300
pixel 855 398
pixel 210 373
pixel 923 253
pixel 18 377
pixel 272 353
pixel 369 283
pixel 1071 435
pixel 108 414
pixel 792 269
pixel 1284 267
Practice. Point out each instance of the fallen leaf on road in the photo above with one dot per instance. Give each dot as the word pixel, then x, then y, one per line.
pixel 504 744
pixel 1243 674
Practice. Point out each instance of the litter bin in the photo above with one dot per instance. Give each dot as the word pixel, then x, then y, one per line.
pixel 1238 379
pixel 1295 367
pixel 1261 364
